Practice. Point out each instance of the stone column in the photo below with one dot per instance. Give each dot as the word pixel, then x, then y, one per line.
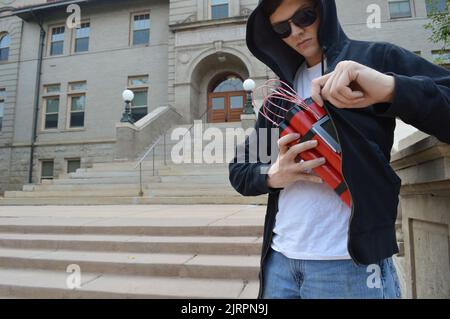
pixel 424 167
pixel 248 121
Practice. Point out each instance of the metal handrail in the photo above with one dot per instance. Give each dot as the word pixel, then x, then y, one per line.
pixel 201 118
pixel 152 149
pixel 157 141
pixel 148 152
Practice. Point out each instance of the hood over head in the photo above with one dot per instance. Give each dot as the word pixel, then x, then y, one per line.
pixel 270 49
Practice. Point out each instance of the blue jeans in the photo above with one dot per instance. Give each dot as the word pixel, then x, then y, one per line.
pixel 286 278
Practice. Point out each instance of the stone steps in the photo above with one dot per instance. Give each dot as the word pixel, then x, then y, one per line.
pixel 111 200
pixel 244 267
pixel 134 244
pixel 131 252
pixel 136 227
pixel 187 178
pixel 41 284
pixel 80 193
pixel 77 187
pixel 220 172
pixel 163 192
pixel 147 193
pixel 135 187
pixel 162 183
pixel 106 180
pixel 148 169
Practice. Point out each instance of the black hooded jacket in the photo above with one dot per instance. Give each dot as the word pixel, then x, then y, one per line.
pixel 421 98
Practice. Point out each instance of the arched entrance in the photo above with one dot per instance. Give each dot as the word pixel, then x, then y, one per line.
pixel 226 98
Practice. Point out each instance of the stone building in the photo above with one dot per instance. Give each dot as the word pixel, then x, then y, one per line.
pixel 188 54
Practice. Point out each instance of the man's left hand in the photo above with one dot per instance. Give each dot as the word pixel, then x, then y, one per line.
pixel 353 85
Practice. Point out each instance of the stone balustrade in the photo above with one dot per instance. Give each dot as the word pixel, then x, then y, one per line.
pixel 423 164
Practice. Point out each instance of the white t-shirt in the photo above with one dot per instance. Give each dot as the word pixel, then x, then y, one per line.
pixel 312 221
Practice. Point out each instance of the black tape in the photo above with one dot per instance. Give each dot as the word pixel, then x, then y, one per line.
pixel 341 188
pixel 308 136
pixel 292 112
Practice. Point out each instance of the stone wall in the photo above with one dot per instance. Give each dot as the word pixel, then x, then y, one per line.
pixel 424 167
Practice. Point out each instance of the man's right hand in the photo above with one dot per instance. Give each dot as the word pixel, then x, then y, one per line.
pixel 286 171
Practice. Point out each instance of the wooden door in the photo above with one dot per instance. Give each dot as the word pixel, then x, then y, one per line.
pixel 225 106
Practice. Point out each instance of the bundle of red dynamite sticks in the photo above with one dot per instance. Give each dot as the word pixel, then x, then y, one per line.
pixel 312 122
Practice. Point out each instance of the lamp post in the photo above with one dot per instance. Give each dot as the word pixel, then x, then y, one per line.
pixel 127 97
pixel 249 86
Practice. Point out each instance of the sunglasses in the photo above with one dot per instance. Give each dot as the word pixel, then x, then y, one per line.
pixel 302 18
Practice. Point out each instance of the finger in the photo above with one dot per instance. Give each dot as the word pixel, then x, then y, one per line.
pixel 326 90
pixel 283 143
pixel 293 152
pixel 343 103
pixel 312 164
pixel 349 94
pixel 337 88
pixel 316 87
pixel 341 86
pixel 309 178
pixel 338 103
pixel 338 79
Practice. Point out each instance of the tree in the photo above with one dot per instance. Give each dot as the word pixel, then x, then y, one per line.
pixel 438 12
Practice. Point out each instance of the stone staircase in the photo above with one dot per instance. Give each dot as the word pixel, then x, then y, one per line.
pixel 162 252
pixel 164 182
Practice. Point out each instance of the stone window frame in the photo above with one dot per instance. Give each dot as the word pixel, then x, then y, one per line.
pixel 3 35
pixel 71 94
pixel 131 27
pixel 49 39
pixel 411 9
pixel 41 166
pixel 45 113
pixel 210 6
pixel 46 95
pixel 67 159
pixel 204 11
pixel 139 88
pixel 2 105
pixel 74 38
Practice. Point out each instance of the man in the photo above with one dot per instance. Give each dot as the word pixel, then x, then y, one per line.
pixel 314 246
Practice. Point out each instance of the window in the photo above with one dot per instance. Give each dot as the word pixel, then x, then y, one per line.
pixel 47 169
pixel 2 106
pixel 139 105
pixel 73 165
pixel 400 9
pixel 82 37
pixel 236 102
pixel 51 106
pixel 77 102
pixel 138 80
pixel 141 29
pixel 219 9
pixel 436 6
pixel 77 86
pixel 229 84
pixel 51 113
pixel 57 41
pixel 77 105
pixel 52 88
pixel 5 41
